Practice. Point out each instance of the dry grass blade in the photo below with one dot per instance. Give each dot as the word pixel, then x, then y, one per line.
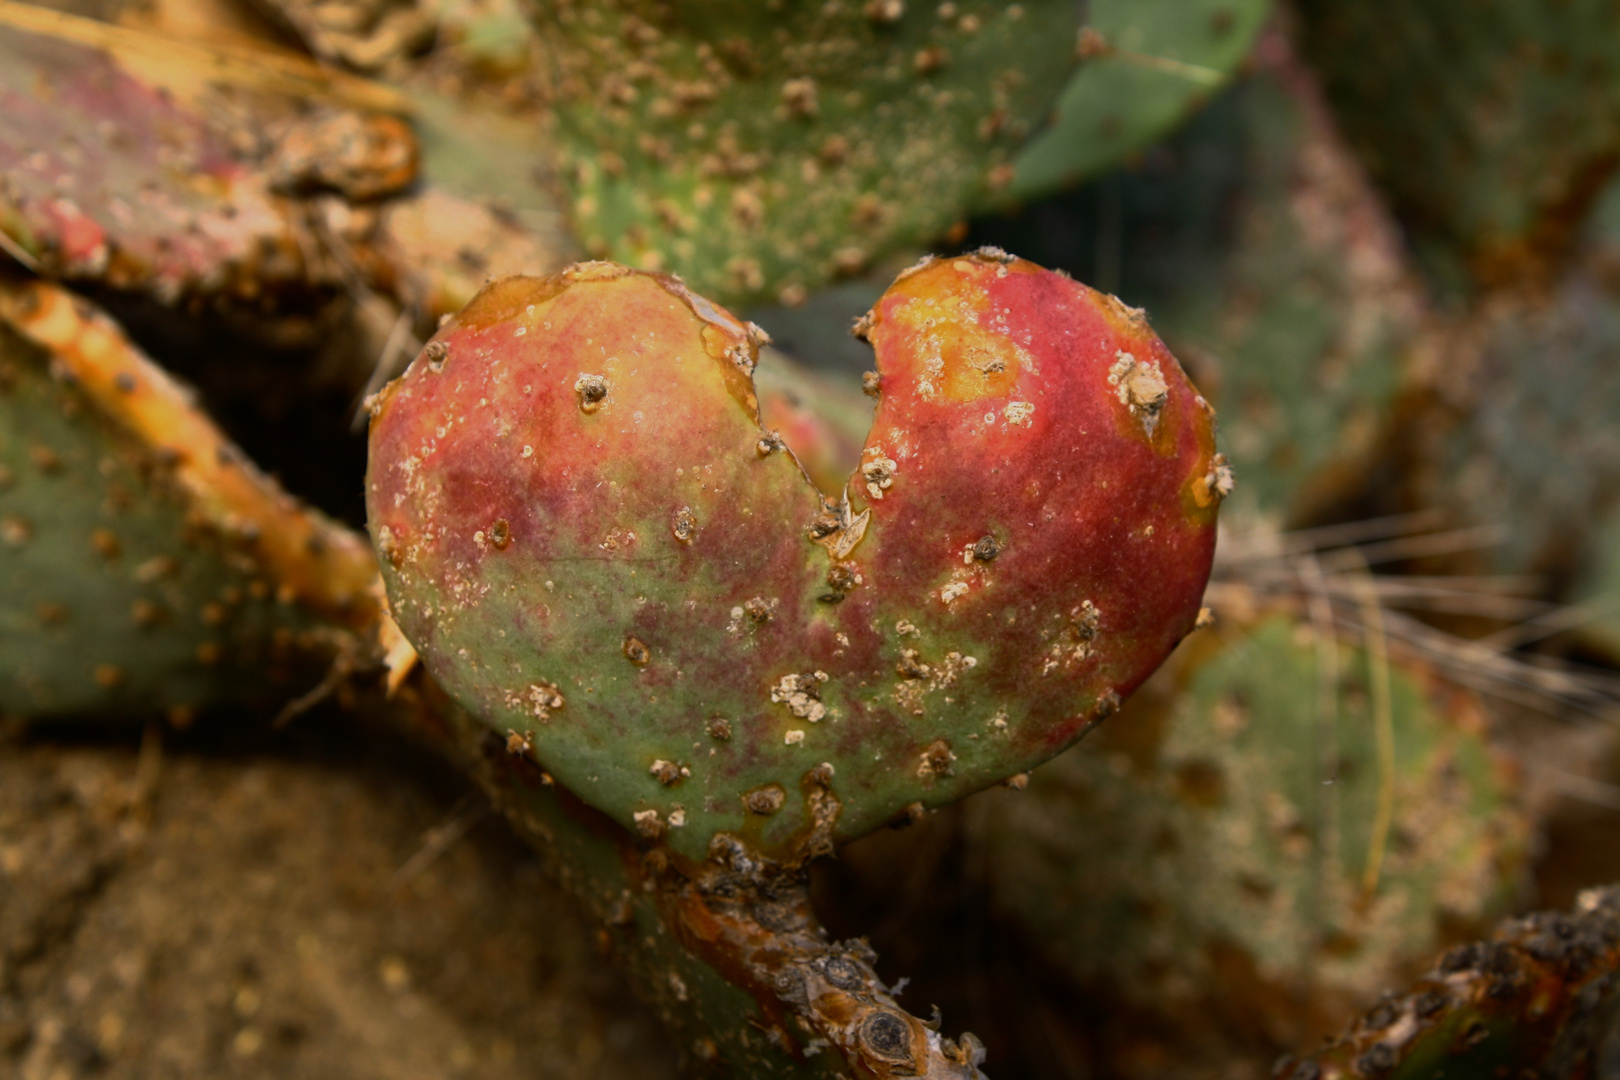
pixel 1372 613
pixel 1266 544
pixel 17 252
pixel 1325 730
pixel 184 67
pixel 1555 621
pixel 1584 788
pixel 469 810
pixel 401 344
pixel 1326 570
pixel 1400 548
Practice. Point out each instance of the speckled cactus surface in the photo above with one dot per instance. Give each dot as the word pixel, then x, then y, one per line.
pixel 145 565
pixel 598 549
pixel 760 152
pixel 169 169
pixel 1540 998
pixel 1236 827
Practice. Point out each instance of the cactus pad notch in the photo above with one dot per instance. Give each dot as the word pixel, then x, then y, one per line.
pixel 599 551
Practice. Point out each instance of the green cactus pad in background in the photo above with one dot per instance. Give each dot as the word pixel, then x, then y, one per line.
pixel 1301 335
pixel 145 571
pixel 1146 65
pixel 599 551
pixel 1228 827
pixel 1541 998
pixel 1491 125
pixel 1525 386
pixel 760 152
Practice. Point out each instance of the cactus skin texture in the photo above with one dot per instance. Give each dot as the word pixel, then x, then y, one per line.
pixel 1539 999
pixel 599 552
pixel 147 566
pixel 174 169
pixel 1307 321
pixel 1146 65
pixel 1230 812
pixel 192 172
pixel 760 152
pixel 1492 125
pixel 731 956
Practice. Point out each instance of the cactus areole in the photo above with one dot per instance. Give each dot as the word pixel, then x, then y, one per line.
pixel 598 550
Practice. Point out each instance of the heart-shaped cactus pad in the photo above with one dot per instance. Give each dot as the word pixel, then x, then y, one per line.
pixel 598 550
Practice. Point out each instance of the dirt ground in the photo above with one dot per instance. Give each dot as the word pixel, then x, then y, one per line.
pixel 230 903
pixel 329 901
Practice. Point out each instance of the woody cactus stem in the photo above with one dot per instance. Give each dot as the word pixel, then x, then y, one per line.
pixel 732 958
pixel 1539 999
pixel 599 551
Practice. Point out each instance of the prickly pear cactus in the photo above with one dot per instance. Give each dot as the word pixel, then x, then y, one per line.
pixel 169 169
pixel 1145 65
pixel 1528 384
pixel 1230 826
pixel 761 152
pixel 732 956
pixel 600 552
pixel 145 565
pixel 1492 126
pixel 1302 335
pixel 1541 998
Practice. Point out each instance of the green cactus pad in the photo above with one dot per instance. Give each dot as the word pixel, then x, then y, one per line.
pixel 1492 125
pixel 1147 65
pixel 1528 386
pixel 599 551
pixel 761 151
pixel 1301 332
pixel 116 595
pixel 1228 825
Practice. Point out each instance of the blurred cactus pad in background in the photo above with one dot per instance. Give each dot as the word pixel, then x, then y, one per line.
pixel 853 538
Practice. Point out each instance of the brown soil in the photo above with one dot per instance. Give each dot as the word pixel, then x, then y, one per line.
pixel 229 903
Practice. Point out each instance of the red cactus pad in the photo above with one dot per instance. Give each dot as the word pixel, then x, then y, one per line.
pixel 1044 485
pixel 599 551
